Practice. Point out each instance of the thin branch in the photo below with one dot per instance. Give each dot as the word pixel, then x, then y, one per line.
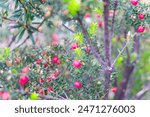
pixel 114 16
pixel 23 5
pixel 12 40
pixel 85 33
pixel 127 43
pixel 21 43
pixel 141 93
pixel 67 28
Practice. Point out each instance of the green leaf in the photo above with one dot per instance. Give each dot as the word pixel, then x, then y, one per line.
pixel 78 52
pixel 20 35
pixel 1 57
pixel 14 71
pixel 16 26
pixel 79 37
pixel 31 37
pixel 74 7
pixel 133 56
pixel 6 53
pixel 100 9
pixel 34 96
pixel 93 29
pixel 66 0
pixel 119 61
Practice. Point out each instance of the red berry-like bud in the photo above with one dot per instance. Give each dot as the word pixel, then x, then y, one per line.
pixel 41 91
pixel 25 70
pixel 58 62
pixel 77 84
pixel 48 79
pixel 41 81
pixel 77 63
pixel 134 2
pixel 100 24
pixel 50 89
pixel 38 62
pixel 141 29
pixel 114 89
pixel 5 95
pixel 141 16
pixel 87 15
pixel 55 59
pixel 45 65
pixel 75 46
pixel 23 80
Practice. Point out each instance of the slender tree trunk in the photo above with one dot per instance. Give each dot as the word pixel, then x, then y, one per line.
pixel 129 69
pixel 107 48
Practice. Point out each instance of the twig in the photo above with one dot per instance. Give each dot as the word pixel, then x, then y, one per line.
pixel 120 53
pixel 21 43
pixel 12 40
pixel 114 16
pixel 68 28
pixel 141 93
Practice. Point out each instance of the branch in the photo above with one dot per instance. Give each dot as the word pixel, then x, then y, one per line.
pixel 68 28
pixel 21 43
pixel 85 33
pixel 141 93
pixel 114 16
pixel 120 52
pixel 12 40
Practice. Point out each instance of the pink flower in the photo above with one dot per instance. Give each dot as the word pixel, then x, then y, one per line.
pixel 5 95
pixel 55 39
pixel 25 70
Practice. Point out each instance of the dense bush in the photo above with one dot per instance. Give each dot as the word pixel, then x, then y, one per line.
pixel 74 49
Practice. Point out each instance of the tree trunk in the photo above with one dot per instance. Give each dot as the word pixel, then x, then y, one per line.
pixel 107 48
pixel 129 69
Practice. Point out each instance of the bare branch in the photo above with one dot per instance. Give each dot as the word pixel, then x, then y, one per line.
pixel 141 93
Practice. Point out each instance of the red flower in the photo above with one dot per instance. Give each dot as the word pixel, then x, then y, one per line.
pixel 87 15
pixel 141 16
pixel 78 84
pixel 5 95
pixel 141 29
pixel 75 46
pixel 77 63
pixel 100 24
pixel 114 89
pixel 23 80
pixel 50 89
pixel 38 62
pixel 134 2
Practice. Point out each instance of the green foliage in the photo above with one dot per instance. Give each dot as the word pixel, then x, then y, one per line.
pixel 34 96
pixel 79 38
pixel 93 29
pixel 5 54
pixel 78 52
pixel 74 7
pixel 119 61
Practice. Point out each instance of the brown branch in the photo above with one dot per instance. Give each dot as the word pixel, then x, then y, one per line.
pixel 12 40
pixel 68 28
pixel 107 48
pixel 86 35
pixel 141 93
pixel 114 16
